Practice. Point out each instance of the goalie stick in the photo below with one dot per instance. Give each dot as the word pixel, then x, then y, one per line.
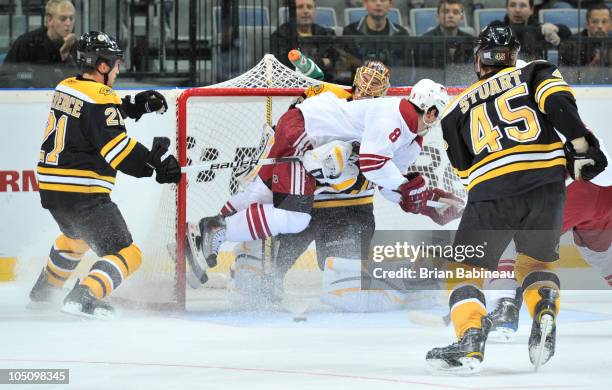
pixel 238 164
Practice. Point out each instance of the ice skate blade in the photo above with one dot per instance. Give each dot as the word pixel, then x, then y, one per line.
pixel 540 354
pixel 469 366
pixel 502 335
pixel 75 309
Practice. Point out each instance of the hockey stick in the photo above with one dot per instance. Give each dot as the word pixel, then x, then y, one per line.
pixel 238 164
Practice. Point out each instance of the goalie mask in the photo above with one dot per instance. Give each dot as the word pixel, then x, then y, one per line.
pixel 327 162
pixel 427 94
pixel 371 80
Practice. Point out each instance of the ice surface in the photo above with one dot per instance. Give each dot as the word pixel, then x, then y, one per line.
pixel 266 350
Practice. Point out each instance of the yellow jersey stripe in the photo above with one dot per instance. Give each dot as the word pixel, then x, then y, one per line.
pixel 74 188
pixel 74 172
pixel 517 149
pixel 121 156
pixel 545 83
pixel 324 204
pixel 549 92
pixel 516 167
pixel 111 144
pixel 97 92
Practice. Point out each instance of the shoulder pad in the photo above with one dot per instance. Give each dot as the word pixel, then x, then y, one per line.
pixel 89 91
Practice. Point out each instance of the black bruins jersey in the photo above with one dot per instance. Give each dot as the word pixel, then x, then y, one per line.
pixel 500 132
pixel 84 144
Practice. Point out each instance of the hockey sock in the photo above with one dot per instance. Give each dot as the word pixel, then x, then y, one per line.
pixel 255 192
pixel 602 261
pixel 533 274
pixel 109 272
pixel 260 221
pixel 65 255
pixel 497 288
pixel 467 307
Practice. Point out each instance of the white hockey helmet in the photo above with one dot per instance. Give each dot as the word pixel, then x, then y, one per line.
pixel 327 161
pixel 427 94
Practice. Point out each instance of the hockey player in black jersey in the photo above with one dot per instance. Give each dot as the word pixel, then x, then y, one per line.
pixel 84 144
pixel 502 144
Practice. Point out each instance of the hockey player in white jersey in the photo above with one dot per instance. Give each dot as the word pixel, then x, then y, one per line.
pixel 319 132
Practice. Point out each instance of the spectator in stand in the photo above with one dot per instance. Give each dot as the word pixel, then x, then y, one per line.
pixel 323 55
pixel 584 50
pixel 452 51
pixel 47 53
pixel 376 23
pixel 532 34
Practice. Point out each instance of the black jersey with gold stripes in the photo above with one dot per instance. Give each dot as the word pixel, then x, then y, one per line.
pixel 500 132
pixel 84 144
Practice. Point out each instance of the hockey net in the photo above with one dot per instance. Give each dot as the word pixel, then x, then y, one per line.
pixel 223 123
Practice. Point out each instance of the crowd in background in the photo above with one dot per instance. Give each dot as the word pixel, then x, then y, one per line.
pixel 445 46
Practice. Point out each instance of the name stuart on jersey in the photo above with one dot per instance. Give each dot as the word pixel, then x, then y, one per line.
pixel 67 104
pixel 492 87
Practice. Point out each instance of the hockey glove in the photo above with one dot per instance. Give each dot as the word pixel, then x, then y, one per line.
pixel 585 166
pixel 414 194
pixel 143 103
pixel 442 216
pixel 168 169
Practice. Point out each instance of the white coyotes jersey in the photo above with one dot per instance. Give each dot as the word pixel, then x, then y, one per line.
pixel 382 126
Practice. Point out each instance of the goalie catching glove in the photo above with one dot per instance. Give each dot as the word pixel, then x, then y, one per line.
pixel 587 165
pixel 332 164
pixel 168 169
pixel 415 195
pixel 143 103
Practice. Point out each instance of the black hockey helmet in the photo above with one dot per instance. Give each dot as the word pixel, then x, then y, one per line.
pixel 496 46
pixel 96 46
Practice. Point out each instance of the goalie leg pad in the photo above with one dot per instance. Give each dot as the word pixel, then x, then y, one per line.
pixel 249 285
pixel 342 289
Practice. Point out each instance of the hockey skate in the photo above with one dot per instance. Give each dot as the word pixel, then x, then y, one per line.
pixel 44 294
pixel 212 231
pixel 543 329
pixel 464 356
pixel 505 318
pixel 193 253
pixel 81 302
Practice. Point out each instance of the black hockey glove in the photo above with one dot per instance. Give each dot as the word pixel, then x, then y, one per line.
pixel 586 165
pixel 168 169
pixel 143 103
